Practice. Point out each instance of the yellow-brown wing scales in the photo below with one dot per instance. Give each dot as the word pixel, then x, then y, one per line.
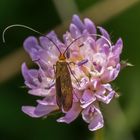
pixel 63 86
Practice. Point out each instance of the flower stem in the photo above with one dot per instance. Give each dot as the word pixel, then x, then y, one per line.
pixel 99 134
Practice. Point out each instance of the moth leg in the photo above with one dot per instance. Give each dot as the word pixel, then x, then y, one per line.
pixel 54 68
pixel 73 73
pixel 72 63
pixel 36 60
pixel 50 86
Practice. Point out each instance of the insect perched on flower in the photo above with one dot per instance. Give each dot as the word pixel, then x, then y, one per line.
pixel 82 76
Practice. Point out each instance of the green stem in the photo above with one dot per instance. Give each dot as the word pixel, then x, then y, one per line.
pixel 99 134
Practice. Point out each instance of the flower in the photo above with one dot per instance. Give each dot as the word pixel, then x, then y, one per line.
pixel 95 63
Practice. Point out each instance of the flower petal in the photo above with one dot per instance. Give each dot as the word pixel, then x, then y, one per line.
pixel 52 35
pixel 29 43
pixel 104 33
pixel 92 44
pixel 87 113
pixel 45 43
pixel 77 21
pixel 110 74
pixel 106 97
pixel 32 47
pixel 75 32
pixel 39 92
pixel 43 110
pixel 97 122
pixel 87 98
pixel 90 26
pixel 30 76
pixel 72 114
pixel 29 110
pixel 117 49
pixel 44 107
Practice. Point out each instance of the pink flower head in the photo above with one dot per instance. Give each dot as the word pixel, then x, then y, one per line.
pixel 95 63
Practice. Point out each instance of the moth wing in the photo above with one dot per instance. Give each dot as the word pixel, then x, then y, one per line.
pixel 66 89
pixel 58 92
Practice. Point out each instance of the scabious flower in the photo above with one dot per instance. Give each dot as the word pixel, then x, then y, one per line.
pixel 95 63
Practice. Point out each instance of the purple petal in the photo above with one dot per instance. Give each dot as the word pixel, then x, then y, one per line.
pixel 107 87
pixel 104 33
pixel 50 99
pixel 106 49
pixel 95 83
pixel 93 116
pixel 29 76
pixel 39 111
pixel 67 38
pixel 117 49
pixel 43 65
pixel 97 121
pixel 106 97
pixel 42 91
pixel 92 43
pixel 46 102
pixel 76 95
pixel 87 113
pixel 24 71
pixel 44 107
pixel 30 43
pixel 87 98
pixel 39 92
pixel 44 110
pixel 45 43
pixel 72 114
pixel 75 32
pixel 34 54
pixel 77 21
pixel 100 43
pixel 46 69
pixel 52 35
pixel 110 75
pixel 115 72
pixel 90 26
pixel 29 110
pixel 32 47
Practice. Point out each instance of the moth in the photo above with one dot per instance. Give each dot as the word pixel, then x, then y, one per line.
pixel 63 84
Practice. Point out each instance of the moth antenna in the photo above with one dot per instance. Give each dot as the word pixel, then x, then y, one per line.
pixel 17 25
pixel 97 35
pixel 29 28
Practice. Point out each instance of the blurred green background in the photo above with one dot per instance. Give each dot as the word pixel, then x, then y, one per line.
pixel 121 18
